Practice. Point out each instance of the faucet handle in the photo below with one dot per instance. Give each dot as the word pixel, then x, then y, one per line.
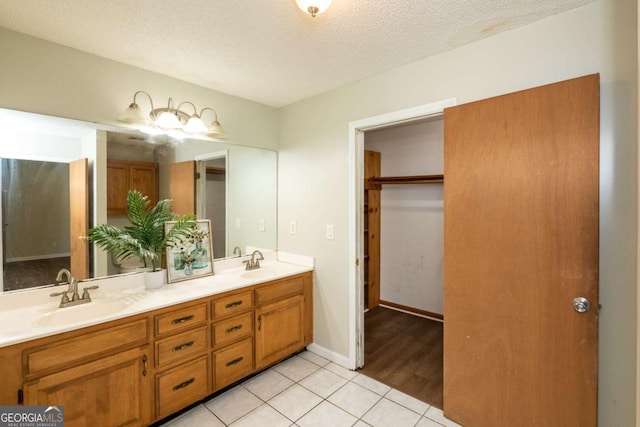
pixel 85 291
pixel 65 297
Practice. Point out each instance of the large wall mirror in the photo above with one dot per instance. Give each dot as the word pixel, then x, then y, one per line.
pixel 235 189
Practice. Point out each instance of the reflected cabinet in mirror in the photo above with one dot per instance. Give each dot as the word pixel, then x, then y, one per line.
pixel 233 186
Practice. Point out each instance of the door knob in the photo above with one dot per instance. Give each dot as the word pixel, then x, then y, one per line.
pixel 581 304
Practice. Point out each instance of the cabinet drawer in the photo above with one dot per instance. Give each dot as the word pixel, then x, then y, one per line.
pixel 94 344
pixel 181 346
pixel 181 319
pixel 233 363
pixel 232 304
pixel 279 290
pixel 232 329
pixel 181 386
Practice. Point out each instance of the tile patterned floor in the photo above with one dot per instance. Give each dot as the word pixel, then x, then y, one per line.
pixel 309 391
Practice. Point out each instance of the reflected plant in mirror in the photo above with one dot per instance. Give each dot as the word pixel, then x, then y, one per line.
pixel 144 238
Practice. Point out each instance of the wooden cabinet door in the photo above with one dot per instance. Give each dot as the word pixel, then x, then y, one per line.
pixel 279 330
pixel 521 242
pixel 144 178
pixel 124 175
pixel 113 391
pixel 117 186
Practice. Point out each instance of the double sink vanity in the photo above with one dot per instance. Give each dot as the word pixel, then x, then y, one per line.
pixel 134 356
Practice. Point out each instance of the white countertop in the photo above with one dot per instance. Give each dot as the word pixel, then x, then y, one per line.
pixel 28 315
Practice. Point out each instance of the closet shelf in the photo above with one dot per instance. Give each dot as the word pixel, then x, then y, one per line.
pixel 416 179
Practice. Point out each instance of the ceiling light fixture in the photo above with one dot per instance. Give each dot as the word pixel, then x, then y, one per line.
pixel 171 119
pixel 313 7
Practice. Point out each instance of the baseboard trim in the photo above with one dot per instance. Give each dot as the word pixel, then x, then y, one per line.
pixel 412 310
pixel 329 355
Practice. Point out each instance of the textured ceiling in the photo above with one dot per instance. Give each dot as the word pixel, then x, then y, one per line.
pixel 268 50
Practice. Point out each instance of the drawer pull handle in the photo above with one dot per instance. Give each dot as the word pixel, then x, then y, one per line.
pixel 184 384
pixel 236 360
pixel 182 319
pixel 233 329
pixel 233 304
pixel 144 365
pixel 183 346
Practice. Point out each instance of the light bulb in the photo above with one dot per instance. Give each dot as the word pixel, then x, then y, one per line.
pixel 313 7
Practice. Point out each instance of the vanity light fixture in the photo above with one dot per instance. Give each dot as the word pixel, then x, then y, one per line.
pixel 170 119
pixel 313 7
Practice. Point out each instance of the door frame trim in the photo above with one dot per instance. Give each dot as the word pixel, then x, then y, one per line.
pixel 201 189
pixel 357 129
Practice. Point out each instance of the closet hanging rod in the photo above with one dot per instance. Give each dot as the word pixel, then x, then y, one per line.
pixel 416 179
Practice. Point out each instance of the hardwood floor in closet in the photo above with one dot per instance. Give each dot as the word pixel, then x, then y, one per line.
pixel 405 352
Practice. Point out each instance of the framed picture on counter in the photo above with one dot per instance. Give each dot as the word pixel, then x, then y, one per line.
pixel 192 257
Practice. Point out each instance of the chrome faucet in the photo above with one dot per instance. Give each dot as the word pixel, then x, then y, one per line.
pixel 253 263
pixel 70 297
pixel 237 251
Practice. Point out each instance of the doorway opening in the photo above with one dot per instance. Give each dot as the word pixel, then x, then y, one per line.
pixel 413 254
pixel 211 200
pixel 403 258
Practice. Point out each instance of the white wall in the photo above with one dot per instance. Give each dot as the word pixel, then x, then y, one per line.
pixel 42 77
pixel 412 221
pixel 313 171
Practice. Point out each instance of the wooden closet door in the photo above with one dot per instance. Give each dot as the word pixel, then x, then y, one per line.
pixel 182 187
pixel 521 242
pixel 79 218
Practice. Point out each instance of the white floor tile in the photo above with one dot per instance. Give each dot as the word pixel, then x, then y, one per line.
pixel 198 416
pixel 300 393
pixel 371 384
pixel 312 357
pixel 326 414
pixel 426 422
pixel 323 382
pixel 296 368
pixel 437 415
pixel 263 416
pixel 354 399
pixel 233 404
pixel 407 401
pixel 342 371
pixel 295 401
pixel 389 414
pixel 268 384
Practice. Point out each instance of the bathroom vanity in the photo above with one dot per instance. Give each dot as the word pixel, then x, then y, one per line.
pixel 161 350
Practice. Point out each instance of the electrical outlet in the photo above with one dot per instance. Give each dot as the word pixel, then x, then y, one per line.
pixel 330 232
pixel 261 224
pixel 293 228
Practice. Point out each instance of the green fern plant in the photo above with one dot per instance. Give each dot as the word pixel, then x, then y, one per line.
pixel 145 237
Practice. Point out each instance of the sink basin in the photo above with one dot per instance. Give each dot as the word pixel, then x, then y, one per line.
pixel 260 273
pixel 80 313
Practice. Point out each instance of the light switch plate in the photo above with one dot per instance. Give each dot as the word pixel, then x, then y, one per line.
pixel 293 228
pixel 261 224
pixel 330 232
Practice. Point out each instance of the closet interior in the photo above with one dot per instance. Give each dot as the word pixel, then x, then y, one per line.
pixel 403 262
